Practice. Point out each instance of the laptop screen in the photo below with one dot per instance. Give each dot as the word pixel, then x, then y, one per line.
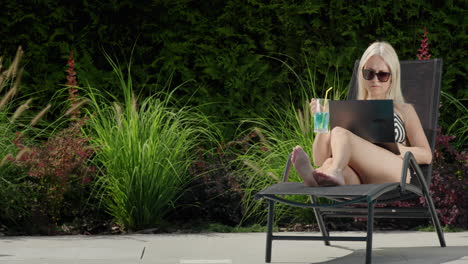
pixel 369 119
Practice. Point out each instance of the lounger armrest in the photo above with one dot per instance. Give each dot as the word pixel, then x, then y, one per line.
pixel 287 168
pixel 409 161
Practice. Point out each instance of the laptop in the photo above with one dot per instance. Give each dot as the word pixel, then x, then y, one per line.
pixel 370 119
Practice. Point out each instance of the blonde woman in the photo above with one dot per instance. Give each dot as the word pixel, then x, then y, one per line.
pixel 343 157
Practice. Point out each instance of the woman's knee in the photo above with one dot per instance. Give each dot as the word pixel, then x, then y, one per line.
pixel 339 132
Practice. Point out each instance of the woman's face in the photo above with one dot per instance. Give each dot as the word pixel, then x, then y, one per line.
pixel 375 88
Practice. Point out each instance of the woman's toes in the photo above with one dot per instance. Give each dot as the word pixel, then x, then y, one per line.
pixel 293 155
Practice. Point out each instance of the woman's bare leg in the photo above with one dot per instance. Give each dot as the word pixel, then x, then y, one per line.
pixel 373 164
pixel 304 168
pixel 321 148
pixel 350 176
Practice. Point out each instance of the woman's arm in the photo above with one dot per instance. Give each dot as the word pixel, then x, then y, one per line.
pixel 416 137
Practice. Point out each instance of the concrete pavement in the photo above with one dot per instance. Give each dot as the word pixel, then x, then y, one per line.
pixel 231 248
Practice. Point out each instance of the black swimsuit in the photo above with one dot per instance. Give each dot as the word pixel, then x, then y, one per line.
pixel 400 133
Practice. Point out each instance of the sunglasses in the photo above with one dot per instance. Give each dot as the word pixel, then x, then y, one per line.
pixel 370 74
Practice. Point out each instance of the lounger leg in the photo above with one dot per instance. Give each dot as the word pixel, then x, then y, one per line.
pixel 435 219
pixel 370 231
pixel 321 224
pixel 429 201
pixel 269 230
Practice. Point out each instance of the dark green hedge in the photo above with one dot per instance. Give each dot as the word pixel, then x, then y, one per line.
pixel 224 46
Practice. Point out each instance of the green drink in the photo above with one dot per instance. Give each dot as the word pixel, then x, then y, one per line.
pixel 321 116
pixel 321 121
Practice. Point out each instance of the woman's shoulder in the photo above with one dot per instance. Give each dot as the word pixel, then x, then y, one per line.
pixel 404 110
pixel 403 107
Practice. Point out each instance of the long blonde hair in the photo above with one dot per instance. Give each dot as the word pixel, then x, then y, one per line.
pixel 388 54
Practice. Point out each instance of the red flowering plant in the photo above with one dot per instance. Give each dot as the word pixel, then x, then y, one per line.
pixel 449 187
pixel 423 52
pixel 56 167
pixel 72 85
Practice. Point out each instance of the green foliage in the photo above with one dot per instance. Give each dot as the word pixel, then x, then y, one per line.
pixel 458 124
pixel 262 164
pixel 15 195
pixel 146 149
pixel 271 141
pixel 13 199
pixel 446 229
pixel 243 59
pixel 43 173
pixel 222 45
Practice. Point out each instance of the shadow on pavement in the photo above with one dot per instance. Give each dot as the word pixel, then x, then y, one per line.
pixel 423 255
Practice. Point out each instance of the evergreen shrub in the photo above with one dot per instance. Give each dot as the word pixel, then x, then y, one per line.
pixel 224 45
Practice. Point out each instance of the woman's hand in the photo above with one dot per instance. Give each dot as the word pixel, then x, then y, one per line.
pixel 313 106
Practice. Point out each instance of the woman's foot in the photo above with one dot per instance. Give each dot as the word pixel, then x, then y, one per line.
pixel 301 163
pixel 326 176
pixel 323 179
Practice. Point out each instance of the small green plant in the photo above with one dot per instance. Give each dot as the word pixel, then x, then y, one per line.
pixel 145 148
pixel 15 196
pixel 269 141
pixel 431 228
pixel 458 128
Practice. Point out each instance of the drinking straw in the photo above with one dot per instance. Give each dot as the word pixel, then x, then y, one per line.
pixel 325 102
pixel 326 95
